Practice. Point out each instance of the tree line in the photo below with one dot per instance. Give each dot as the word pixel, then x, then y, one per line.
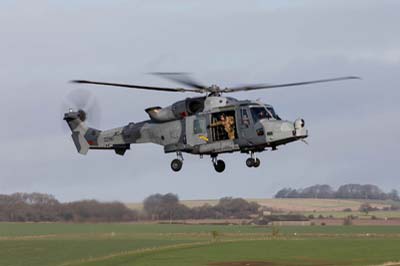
pixel 168 207
pixel 348 191
pixel 38 207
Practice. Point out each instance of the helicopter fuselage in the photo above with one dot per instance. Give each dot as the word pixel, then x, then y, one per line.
pixel 187 126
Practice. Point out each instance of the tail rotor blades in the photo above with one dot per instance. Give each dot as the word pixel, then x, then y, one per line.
pixel 85 103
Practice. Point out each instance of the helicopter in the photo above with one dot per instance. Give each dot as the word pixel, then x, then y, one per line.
pixel 210 125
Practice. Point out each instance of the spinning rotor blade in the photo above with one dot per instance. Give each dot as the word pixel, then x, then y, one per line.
pixel 182 78
pixel 137 86
pixel 270 86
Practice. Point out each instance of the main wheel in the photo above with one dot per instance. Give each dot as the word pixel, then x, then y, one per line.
pixel 176 165
pixel 250 162
pixel 257 162
pixel 219 166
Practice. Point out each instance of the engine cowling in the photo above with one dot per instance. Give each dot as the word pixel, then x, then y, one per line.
pixel 176 111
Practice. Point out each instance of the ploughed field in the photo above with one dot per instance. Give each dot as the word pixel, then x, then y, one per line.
pixel 163 244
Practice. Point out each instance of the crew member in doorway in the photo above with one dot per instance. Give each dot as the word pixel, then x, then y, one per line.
pixel 228 123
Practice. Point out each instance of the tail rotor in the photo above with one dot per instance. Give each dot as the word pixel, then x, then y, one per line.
pixel 85 103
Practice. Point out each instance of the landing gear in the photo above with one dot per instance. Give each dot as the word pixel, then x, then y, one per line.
pixel 176 164
pixel 219 165
pixel 253 161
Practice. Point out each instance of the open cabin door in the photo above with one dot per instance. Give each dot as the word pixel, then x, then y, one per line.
pixel 222 130
pixel 196 130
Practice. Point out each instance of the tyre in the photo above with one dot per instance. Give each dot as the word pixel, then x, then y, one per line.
pixel 176 165
pixel 250 162
pixel 219 166
pixel 257 163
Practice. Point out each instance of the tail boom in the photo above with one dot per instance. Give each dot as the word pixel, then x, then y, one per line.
pixel 86 138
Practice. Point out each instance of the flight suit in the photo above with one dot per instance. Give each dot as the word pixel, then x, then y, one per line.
pixel 228 125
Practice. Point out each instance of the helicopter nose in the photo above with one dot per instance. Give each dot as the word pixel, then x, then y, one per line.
pixel 299 123
pixel 299 129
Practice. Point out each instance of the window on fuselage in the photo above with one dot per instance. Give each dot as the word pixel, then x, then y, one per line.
pixel 245 121
pixel 199 126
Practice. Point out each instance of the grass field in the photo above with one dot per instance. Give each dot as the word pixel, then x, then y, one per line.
pixel 152 244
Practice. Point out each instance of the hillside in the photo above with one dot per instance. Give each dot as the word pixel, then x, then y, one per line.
pixel 295 205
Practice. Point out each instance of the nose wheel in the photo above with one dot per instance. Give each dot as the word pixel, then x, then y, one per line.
pixel 219 165
pixel 176 164
pixel 253 161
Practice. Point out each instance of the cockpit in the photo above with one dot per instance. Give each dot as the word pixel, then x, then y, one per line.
pixel 263 112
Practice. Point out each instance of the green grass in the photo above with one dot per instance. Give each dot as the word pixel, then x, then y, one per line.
pixel 32 229
pixel 60 229
pixel 48 244
pixel 279 252
pixel 58 251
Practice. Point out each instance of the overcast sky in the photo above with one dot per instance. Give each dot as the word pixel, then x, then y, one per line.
pixel 354 126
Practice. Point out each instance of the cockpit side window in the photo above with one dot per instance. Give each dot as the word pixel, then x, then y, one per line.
pixel 259 113
pixel 272 112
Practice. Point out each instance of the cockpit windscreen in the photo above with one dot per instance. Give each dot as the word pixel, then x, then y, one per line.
pixel 266 112
pixel 259 113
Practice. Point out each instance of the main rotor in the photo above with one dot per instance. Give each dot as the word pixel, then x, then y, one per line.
pixel 213 90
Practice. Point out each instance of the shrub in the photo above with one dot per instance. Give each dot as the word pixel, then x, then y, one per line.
pixel 214 235
pixel 348 221
pixel 275 231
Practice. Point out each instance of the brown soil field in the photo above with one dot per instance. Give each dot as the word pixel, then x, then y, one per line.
pixel 365 222
pixel 288 205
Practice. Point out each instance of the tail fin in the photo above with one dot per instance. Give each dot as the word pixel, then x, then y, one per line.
pixel 82 135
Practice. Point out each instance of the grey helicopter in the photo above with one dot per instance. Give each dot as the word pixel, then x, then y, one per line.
pixel 211 124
